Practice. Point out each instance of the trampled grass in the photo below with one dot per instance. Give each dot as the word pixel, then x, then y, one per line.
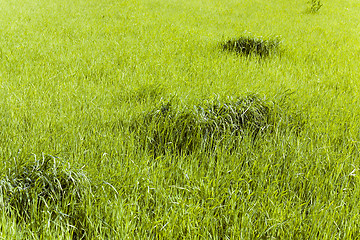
pixel 157 133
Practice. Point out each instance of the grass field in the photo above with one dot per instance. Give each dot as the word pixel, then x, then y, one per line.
pixel 128 120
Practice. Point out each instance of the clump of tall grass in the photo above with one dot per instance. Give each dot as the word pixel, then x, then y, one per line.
pixel 206 125
pixel 46 188
pixel 314 6
pixel 249 46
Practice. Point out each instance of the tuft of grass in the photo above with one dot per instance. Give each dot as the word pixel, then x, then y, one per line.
pixel 251 46
pixel 314 6
pixel 206 125
pixel 46 188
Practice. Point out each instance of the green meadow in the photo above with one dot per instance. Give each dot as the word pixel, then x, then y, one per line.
pixel 169 119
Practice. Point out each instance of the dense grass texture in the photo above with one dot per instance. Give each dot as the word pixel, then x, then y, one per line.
pixel 127 120
pixel 46 189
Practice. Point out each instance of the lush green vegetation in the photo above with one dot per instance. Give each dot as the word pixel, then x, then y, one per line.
pixel 128 120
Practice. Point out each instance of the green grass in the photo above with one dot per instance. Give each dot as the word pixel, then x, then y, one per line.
pixel 163 135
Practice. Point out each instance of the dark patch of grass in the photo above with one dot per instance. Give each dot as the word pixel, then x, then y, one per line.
pixel 205 126
pixel 33 191
pixel 251 46
pixel 314 6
